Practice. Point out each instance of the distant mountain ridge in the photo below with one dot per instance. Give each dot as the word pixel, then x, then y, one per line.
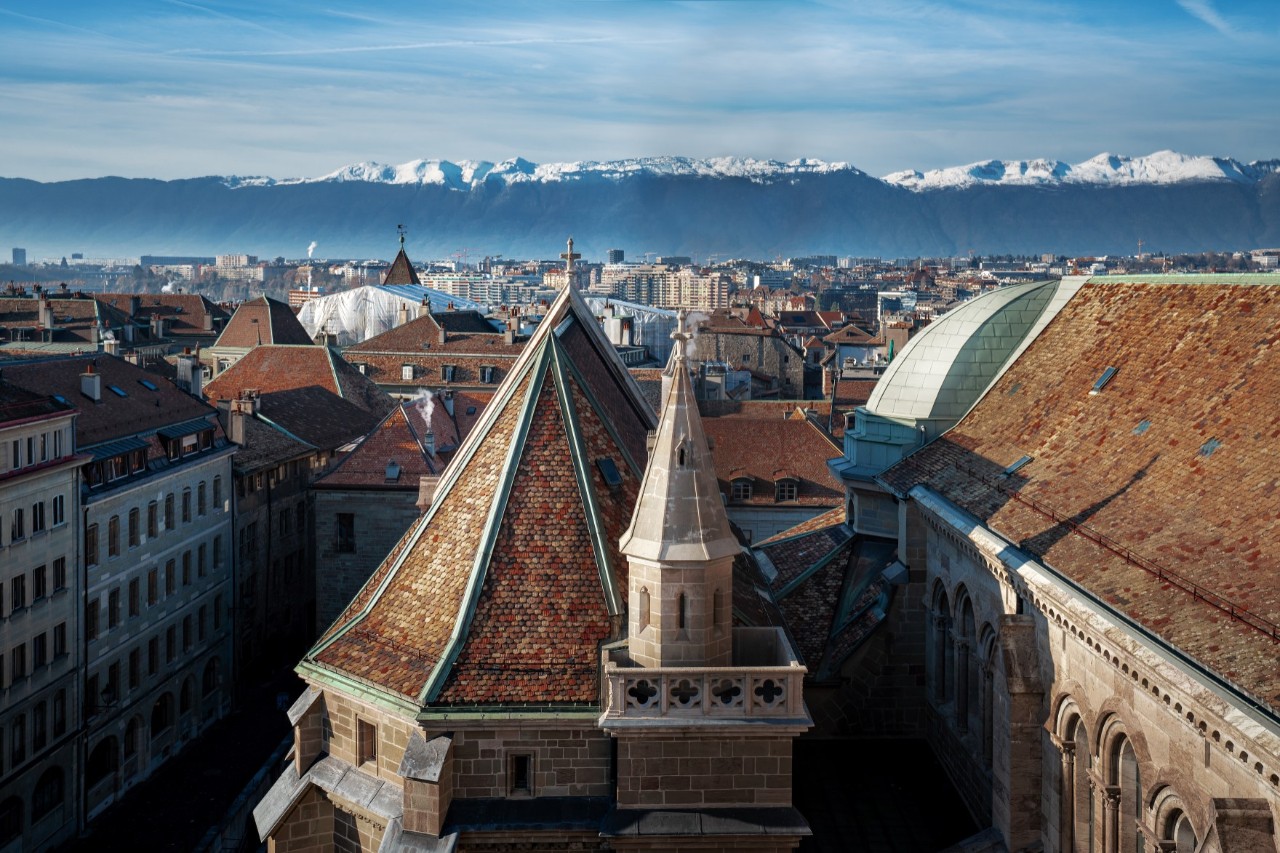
pixel 728 207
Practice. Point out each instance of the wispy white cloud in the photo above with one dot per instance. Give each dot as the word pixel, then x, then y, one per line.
pixel 1204 10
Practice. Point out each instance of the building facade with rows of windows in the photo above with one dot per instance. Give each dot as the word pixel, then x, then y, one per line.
pixel 149 503
pixel 39 604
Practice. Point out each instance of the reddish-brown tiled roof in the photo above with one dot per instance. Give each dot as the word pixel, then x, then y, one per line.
pixel 463 332
pixel 263 321
pixel 401 271
pixel 766 450
pixel 281 368
pixel 74 318
pixel 855 336
pixel 393 440
pixel 184 312
pixel 828 519
pixel 1173 459
pixel 140 411
pixel 539 602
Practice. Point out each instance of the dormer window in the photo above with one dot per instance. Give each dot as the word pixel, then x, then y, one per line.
pixel 406 372
pixel 740 489
pixel 447 371
pixel 786 489
pixel 486 375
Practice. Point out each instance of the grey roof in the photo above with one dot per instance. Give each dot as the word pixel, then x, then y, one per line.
pixel 185 428
pixel 121 445
pixel 397 839
pixel 423 761
pixel 333 776
pixel 944 369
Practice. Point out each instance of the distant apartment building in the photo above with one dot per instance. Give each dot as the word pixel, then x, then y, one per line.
pixel 40 599
pixel 615 256
pixel 665 286
pixel 155 561
pixel 19 257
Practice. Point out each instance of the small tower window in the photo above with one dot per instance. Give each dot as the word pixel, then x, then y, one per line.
pixel 681 608
pixel 366 743
pixel 680 454
pixel 520 775
pixel 644 607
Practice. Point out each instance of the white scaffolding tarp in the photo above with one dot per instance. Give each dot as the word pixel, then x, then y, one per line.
pixel 356 315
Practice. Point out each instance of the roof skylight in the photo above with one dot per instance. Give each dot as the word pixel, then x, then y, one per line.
pixel 118 391
pixel 1022 460
pixel 1103 380
pixel 148 384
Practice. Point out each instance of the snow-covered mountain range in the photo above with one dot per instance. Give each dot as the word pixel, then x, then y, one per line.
pixel 1162 167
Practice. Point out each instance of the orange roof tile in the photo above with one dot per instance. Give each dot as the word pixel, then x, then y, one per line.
pixel 263 321
pixel 282 368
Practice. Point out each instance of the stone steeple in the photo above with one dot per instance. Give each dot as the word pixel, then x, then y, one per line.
pixel 679 545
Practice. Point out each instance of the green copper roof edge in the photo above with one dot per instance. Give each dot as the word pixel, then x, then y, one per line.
pixel 509 712
pixel 354 687
pixel 829 665
pixel 277 426
pixel 450 476
pixel 479 570
pixel 578 453
pixel 637 468
pixel 790 587
pixel 333 368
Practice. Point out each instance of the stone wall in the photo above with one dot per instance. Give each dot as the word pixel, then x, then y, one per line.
pixel 308 828
pixel 761 353
pixel 710 771
pixel 567 761
pixel 381 518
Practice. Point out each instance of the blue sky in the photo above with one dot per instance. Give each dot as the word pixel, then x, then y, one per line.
pixel 181 88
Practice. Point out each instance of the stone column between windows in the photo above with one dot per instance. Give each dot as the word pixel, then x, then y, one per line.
pixel 962 684
pixel 939 657
pixel 1066 793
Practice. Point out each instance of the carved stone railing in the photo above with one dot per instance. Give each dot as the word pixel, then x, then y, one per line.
pixel 748 692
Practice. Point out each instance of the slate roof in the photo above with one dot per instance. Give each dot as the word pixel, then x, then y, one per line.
pixel 74 317
pixel 263 321
pixel 19 405
pixel 395 439
pixel 316 416
pixel 765 450
pixel 142 411
pixel 1173 459
pixel 266 445
pixel 530 601
pixel 281 368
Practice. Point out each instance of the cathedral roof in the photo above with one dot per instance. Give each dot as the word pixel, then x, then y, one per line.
pixel 1158 494
pixel 263 321
pixel 503 591
pixel 680 515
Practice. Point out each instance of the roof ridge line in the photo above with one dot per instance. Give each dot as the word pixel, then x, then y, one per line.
pixel 480 564
pixel 275 425
pixel 578 455
pixel 813 569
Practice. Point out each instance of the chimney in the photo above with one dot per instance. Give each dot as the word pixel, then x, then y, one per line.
pixel 91 383
pixel 430 441
pixel 45 312
pixel 208 321
pixel 402 316
pixel 509 334
pixel 442 334
pixel 448 401
pixel 426 491
pixel 135 305
pixel 241 410
pixel 111 347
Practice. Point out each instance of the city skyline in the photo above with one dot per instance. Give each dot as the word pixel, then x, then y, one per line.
pixel 182 89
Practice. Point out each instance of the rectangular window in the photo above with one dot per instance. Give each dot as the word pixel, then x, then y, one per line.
pixel 186 568
pixel 217 494
pixel 91 545
pixel 135 597
pixel 18 529
pixel 112 690
pixel 113 608
pixel 39 583
pixel 37 516
pixel 19 662
pixel 446 372
pixel 346 533
pixel 366 743
pixel 520 774
pixel 39 650
pixel 59 574
pixel 135 528
pixel 60 639
pixel 39 726
pixel 170 520
pixel 153 588
pixel 135 668
pixel 153 520
pixel 113 536
pixel 153 656
pixel 486 375
pixel 170 643
pixel 59 713
pixel 57 444
pixel 59 510
pixel 202 504
pixel 18 740
pixel 202 560
pixel 186 505
pixel 406 372
pixel 91 619
pixel 217 551
pixel 18 592
pixel 170 578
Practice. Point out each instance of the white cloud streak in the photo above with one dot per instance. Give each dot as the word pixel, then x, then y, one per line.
pixel 1204 10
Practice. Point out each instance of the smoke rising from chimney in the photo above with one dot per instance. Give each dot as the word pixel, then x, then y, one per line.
pixel 311 249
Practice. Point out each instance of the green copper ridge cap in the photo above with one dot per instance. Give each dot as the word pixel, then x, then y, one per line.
pixel 581 471
pixel 489 536
pixel 790 587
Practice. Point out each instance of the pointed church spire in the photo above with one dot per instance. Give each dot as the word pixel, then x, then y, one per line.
pixel 680 514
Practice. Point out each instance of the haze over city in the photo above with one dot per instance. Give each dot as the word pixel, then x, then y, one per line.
pixel 181 89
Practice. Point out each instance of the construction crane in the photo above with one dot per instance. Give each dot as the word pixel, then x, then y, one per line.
pixel 464 253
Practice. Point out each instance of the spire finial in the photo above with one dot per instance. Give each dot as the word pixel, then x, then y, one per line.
pixel 569 257
pixel 681 334
pixel 400 228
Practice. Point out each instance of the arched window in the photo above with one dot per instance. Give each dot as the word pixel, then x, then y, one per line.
pixel 209 681
pixel 49 793
pixel 1076 803
pixel 966 691
pixel 1178 829
pixel 1124 773
pixel 10 820
pixel 162 714
pixel 103 761
pixel 987 664
pixel 940 646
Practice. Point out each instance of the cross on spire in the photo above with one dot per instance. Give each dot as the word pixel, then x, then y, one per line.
pixel 569 257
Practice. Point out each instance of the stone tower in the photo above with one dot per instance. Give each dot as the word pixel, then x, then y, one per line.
pixel 679 547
